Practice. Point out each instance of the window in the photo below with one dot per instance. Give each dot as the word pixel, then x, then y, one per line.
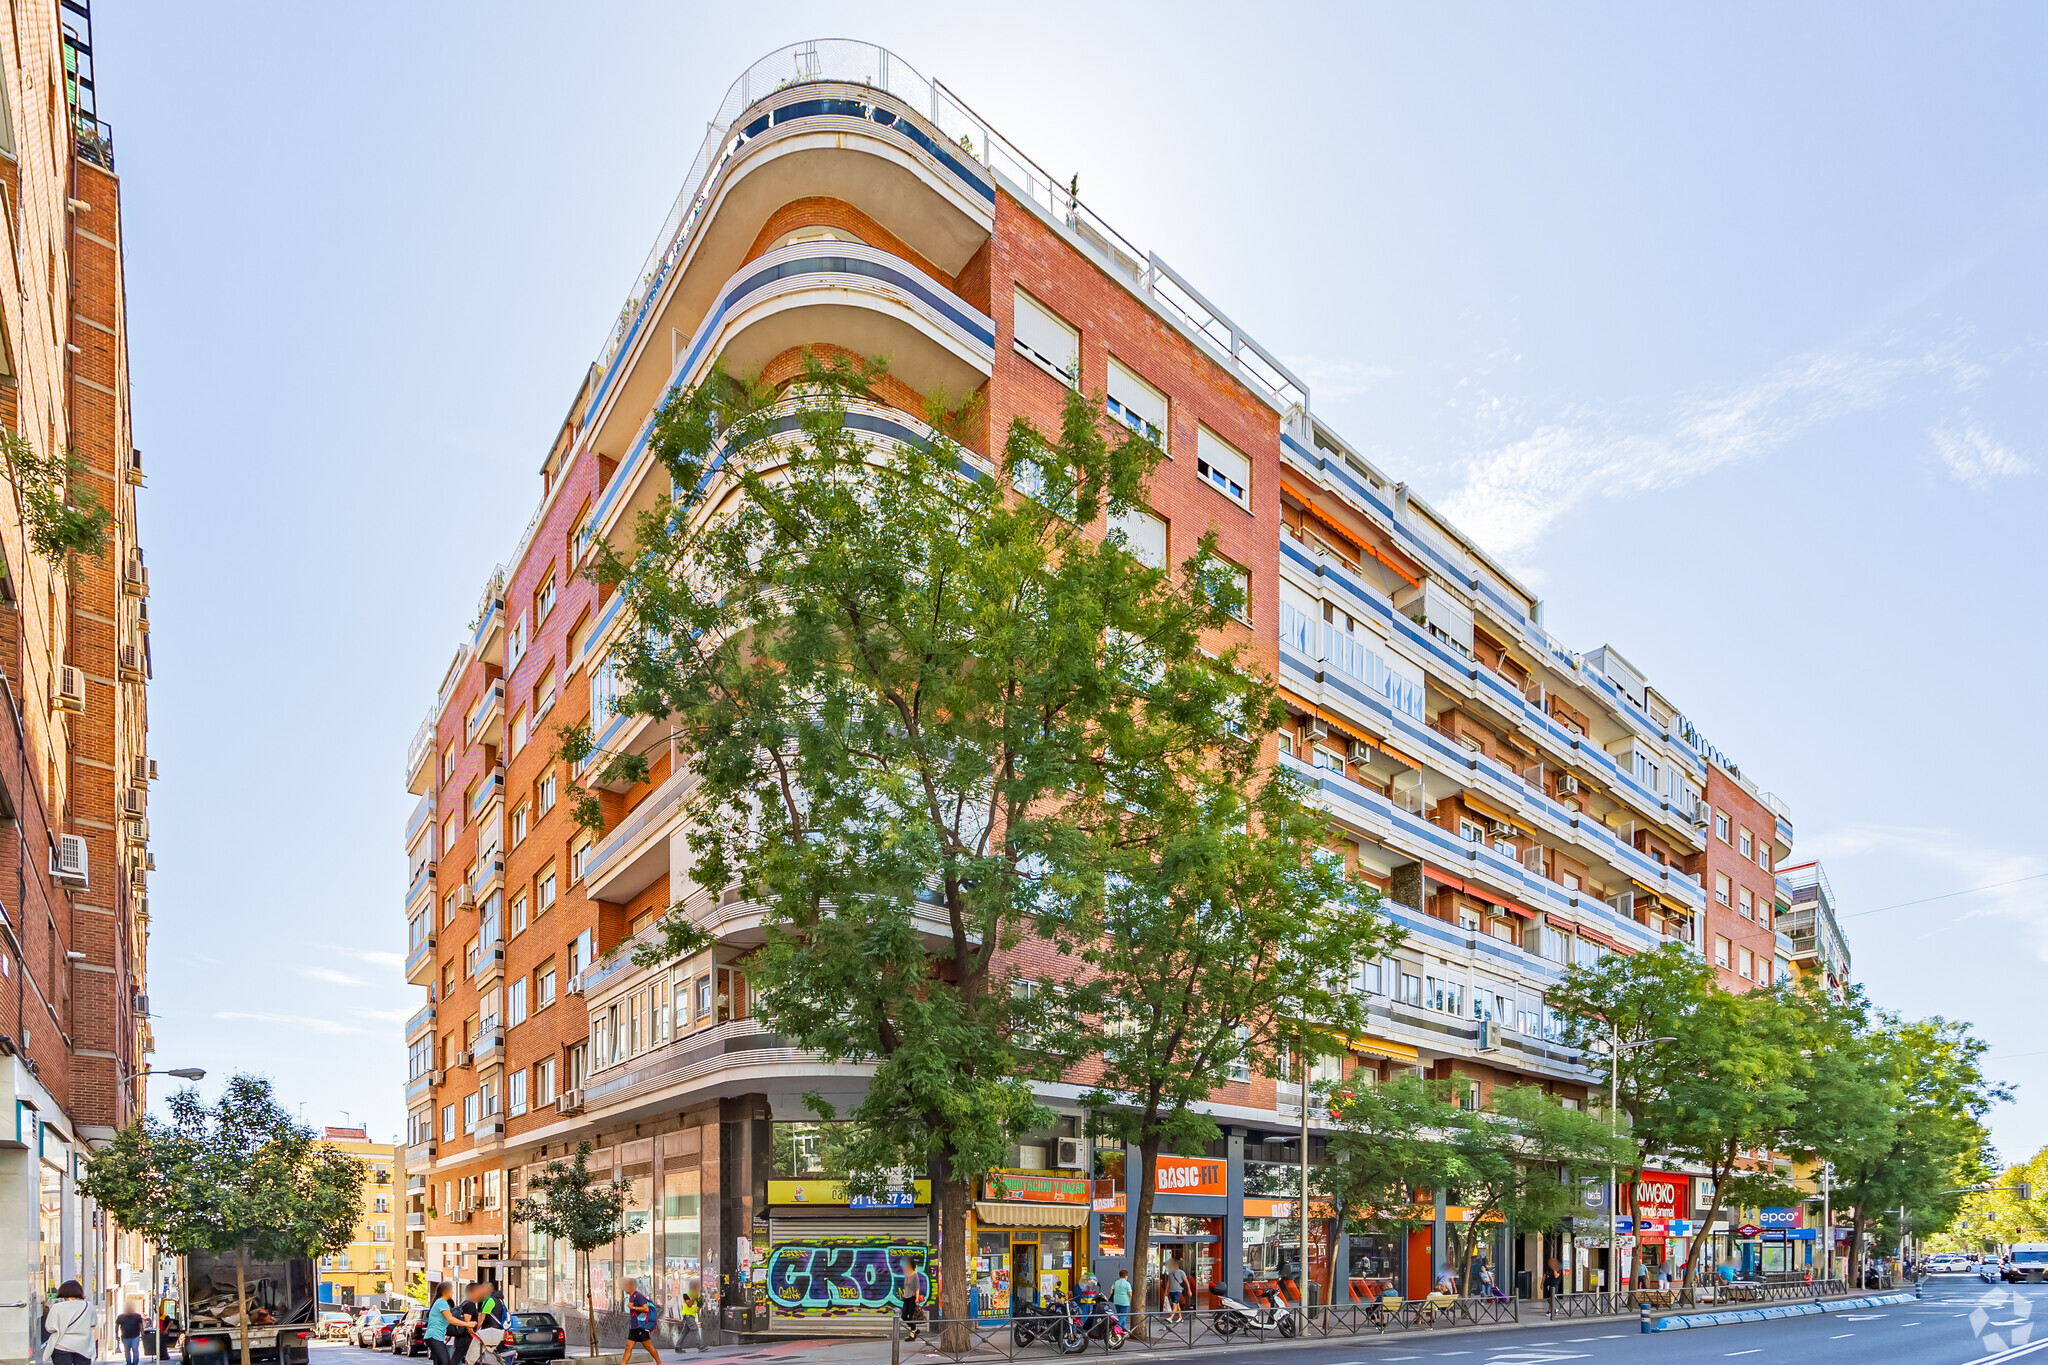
pixel 544 890
pixel 1721 950
pixel 1329 759
pixel 544 702
pixel 544 1081
pixel 544 597
pixel 1228 472
pixel 447 1121
pixel 544 793
pixel 1042 337
pixel 579 638
pixel 417 931
pixel 1763 854
pixel 380 1232
pixel 1744 963
pixel 1721 888
pixel 1137 404
pixel 515 1002
pixel 1554 944
pixel 544 985
pixel 469 958
pixel 519 730
pixel 1368 978
pixel 448 757
pixel 449 829
pixel 519 824
pixel 1746 842
pixel 1410 987
pixel 1442 993
pixel 447 978
pixel 1747 904
pixel 580 952
pixel 703 998
pixel 579 858
pixel 515 1093
pixel 1471 833
pixel 1721 825
pixel 1143 534
pixel 518 920
pixel 1219 571
pixel 472 1106
pixel 515 643
pixel 1240 1062
pixel 1585 953
pixel 419 1059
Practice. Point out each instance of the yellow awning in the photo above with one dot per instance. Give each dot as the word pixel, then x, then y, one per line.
pixel 1395 1052
pixel 1021 1215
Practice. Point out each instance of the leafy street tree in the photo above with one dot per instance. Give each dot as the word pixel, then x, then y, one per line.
pixel 1936 1141
pixel 1518 1159
pixel 568 1203
pixel 242 1179
pixel 62 521
pixel 920 707
pixel 2015 1211
pixel 1217 938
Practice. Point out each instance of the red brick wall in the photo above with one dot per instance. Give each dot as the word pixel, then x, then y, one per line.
pixel 1727 796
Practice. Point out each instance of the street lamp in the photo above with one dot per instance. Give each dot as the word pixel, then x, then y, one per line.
pixel 1616 1050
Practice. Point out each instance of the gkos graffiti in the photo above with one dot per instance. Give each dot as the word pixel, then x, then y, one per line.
pixel 828 1276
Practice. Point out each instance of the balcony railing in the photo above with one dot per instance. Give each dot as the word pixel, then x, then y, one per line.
pixel 419 1023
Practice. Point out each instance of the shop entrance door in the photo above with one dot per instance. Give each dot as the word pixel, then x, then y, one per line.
pixel 1024 1270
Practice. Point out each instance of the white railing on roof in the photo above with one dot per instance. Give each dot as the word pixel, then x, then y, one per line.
pixel 860 63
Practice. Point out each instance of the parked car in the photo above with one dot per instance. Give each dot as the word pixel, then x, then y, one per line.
pixel 534 1336
pixel 374 1330
pixel 409 1337
pixel 333 1324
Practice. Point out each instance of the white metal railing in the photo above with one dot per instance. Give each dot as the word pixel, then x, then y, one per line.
pixel 853 62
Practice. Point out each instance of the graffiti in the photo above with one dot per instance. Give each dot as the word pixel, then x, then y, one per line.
pixel 826 1277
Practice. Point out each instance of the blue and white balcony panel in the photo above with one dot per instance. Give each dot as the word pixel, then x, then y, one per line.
pixel 420 1024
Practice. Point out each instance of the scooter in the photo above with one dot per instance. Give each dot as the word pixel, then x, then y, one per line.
pixel 1052 1321
pixel 1097 1321
pixel 1276 1315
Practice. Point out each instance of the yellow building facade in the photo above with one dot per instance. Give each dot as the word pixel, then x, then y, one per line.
pixel 373 1264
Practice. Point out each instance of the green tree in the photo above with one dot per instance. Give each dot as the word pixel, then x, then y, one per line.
pixel 1226 924
pixel 917 705
pixel 1518 1159
pixel 61 521
pixel 568 1203
pixel 418 1290
pixel 243 1179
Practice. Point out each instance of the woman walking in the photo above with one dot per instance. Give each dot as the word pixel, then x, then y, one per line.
pixel 441 1323
pixel 69 1323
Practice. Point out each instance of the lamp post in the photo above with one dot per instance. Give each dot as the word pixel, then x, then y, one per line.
pixel 1616 1050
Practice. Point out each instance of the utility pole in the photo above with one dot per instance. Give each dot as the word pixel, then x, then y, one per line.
pixel 1304 1182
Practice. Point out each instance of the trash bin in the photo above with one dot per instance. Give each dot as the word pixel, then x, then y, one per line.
pixel 1525 1284
pixel 149 1341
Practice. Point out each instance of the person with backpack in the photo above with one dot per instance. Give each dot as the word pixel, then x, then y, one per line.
pixel 643 1315
pixel 489 1312
pixel 687 1325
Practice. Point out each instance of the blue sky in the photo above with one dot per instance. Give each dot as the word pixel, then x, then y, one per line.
pixel 1724 328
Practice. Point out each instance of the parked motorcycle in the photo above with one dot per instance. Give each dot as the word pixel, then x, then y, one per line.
pixel 1274 1315
pixel 1051 1320
pixel 1098 1321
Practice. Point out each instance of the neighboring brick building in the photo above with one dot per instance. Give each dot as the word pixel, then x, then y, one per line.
pixel 74 669
pixel 1521 806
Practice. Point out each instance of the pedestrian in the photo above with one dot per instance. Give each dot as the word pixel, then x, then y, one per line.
pixel 915 1291
pixel 441 1326
pixel 687 1325
pixel 68 1323
pixel 641 1318
pixel 128 1326
pixel 1553 1279
pixel 1664 1278
pixel 489 1312
pixel 166 1330
pixel 1176 1290
pixel 1120 1298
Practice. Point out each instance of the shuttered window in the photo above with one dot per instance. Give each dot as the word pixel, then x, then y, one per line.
pixel 1043 337
pixel 1143 534
pixel 1226 470
pixel 1137 404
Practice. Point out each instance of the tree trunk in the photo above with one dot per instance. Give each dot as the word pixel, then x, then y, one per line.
pixel 1856 1255
pixel 1635 1224
pixel 242 1300
pixel 1138 1224
pixel 1698 1241
pixel 589 1304
pixel 953 1195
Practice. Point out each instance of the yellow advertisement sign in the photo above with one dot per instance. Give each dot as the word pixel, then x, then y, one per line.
pixel 831 1193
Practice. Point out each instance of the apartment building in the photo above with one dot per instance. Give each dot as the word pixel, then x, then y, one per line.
pixel 1522 806
pixel 1816 947
pixel 74 671
pixel 1749 833
pixel 368 1267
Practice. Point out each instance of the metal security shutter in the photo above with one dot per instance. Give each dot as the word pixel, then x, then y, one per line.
pixel 911 1230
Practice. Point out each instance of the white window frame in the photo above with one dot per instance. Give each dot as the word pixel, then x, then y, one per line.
pixel 1136 403
pixel 1046 339
pixel 1223 467
pixel 1143 533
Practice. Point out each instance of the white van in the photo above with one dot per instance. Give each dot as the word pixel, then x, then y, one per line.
pixel 2029 1262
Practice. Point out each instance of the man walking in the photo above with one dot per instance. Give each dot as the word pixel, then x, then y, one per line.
pixel 129 1327
pixel 687 1325
pixel 641 1318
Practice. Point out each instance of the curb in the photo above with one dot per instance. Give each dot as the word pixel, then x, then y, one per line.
pixel 1775 1311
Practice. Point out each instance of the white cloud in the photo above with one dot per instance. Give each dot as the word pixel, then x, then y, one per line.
pixel 330 976
pixel 1954 863
pixel 1524 476
pixel 1976 457
pixel 305 1021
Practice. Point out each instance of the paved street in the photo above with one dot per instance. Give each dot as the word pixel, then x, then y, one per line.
pixel 1961 1320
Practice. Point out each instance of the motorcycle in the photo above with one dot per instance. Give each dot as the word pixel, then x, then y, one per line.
pixel 1275 1315
pixel 1099 1322
pixel 1051 1320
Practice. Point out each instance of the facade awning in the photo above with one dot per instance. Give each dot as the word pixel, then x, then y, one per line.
pixel 1487 810
pixel 1481 893
pixel 1021 1215
pixel 1378 1047
pixel 1604 941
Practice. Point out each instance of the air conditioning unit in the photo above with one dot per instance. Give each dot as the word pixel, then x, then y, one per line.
pixel 574 985
pixel 1501 829
pixel 1072 1154
pixel 131 663
pixel 138 832
pixel 134 803
pixel 1317 730
pixel 463 1059
pixel 1702 814
pixel 569 1101
pixel 68 860
pixel 1489 1039
pixel 465 898
pixel 135 578
pixel 70 690
pixel 141 770
pixel 459 1215
pixel 435 1078
pixel 1361 752
pixel 140 1003
pixel 1567 785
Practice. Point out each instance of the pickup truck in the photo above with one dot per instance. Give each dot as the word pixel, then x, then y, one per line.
pixel 282 1308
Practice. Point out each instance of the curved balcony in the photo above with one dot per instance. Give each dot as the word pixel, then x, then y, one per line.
pixel 843 119
pixel 811 293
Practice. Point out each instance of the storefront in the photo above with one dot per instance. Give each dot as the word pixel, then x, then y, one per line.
pixel 1658 1227
pixel 832 1254
pixel 1187 1231
pixel 1030 1231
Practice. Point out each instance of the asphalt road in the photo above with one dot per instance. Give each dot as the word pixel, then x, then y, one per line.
pixel 1960 1320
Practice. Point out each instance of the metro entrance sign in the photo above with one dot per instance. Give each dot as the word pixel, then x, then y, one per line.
pixel 1748 1230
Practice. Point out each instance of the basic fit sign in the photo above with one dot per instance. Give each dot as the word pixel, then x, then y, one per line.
pixel 1189 1175
pixel 1661 1197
